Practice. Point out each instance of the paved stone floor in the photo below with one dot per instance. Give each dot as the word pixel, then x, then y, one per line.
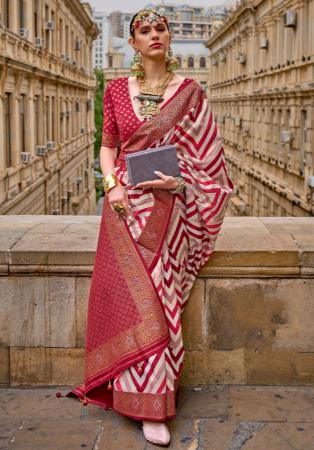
pixel 208 418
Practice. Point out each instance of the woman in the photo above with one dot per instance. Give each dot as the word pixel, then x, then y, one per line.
pixel 154 237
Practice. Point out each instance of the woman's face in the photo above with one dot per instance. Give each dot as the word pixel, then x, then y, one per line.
pixel 148 36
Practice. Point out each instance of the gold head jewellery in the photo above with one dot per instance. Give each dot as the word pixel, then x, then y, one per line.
pixel 149 14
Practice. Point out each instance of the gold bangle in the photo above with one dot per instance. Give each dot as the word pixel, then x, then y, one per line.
pixel 110 181
pixel 180 185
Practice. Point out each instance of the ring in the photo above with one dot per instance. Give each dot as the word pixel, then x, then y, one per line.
pixel 118 207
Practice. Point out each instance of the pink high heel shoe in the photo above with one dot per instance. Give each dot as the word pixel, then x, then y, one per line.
pixel 151 429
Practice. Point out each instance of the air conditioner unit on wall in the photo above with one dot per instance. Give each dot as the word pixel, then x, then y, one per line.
pixel 263 42
pixel 25 157
pixel 38 42
pixel 50 25
pixel 290 18
pixel 310 181
pixel 23 32
pixel 40 150
pixel 242 58
pixel 286 136
pixel 242 207
pixel 237 121
pixel 222 118
pixel 50 145
pixel 222 56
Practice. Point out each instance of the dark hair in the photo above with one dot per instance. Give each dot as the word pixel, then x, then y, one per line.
pixel 132 32
pixel 131 23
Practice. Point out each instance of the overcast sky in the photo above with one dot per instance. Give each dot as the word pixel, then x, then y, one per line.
pixel 134 5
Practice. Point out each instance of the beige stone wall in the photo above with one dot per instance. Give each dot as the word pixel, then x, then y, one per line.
pixel 46 101
pixel 262 95
pixel 249 319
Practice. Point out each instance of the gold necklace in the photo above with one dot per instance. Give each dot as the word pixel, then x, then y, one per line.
pixel 150 96
pixel 157 89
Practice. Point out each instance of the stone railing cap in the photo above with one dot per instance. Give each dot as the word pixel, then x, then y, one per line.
pixel 269 245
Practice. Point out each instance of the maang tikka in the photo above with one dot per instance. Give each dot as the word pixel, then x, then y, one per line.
pixel 137 68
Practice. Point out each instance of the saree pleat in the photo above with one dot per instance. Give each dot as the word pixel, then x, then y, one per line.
pixel 145 267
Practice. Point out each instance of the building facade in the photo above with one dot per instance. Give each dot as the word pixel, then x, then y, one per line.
pixel 186 22
pixel 262 95
pixel 119 23
pixel 46 107
pixel 100 45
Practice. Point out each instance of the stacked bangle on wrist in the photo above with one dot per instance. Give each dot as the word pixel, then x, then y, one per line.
pixel 180 186
pixel 109 181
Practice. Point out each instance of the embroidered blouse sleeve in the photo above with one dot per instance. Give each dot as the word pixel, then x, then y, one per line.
pixel 110 131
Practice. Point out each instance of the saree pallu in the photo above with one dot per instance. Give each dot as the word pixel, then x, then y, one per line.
pixel 145 267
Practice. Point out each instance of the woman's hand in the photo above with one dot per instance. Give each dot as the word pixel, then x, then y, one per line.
pixel 166 182
pixel 119 194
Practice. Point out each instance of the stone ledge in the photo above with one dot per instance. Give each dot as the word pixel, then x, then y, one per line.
pixel 249 318
pixel 246 246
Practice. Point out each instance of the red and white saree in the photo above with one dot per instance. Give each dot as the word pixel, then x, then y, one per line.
pixel 145 268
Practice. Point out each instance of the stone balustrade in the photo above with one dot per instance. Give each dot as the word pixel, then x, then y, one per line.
pixel 249 319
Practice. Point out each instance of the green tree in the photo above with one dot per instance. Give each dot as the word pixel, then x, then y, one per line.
pixel 100 79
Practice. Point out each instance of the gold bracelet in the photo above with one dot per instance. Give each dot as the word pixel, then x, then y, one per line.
pixel 110 181
pixel 180 185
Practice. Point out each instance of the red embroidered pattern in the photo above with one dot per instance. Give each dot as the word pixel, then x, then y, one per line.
pixel 120 121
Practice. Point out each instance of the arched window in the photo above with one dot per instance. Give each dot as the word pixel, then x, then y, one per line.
pixel 190 62
pixel 179 59
pixel 202 62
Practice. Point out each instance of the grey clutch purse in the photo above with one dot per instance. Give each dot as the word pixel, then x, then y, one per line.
pixel 141 164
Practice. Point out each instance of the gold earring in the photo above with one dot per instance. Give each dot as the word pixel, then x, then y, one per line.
pixel 171 62
pixel 137 68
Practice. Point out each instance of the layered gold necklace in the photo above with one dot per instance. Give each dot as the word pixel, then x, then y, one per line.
pixel 150 96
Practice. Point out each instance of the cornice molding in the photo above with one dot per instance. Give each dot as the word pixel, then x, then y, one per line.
pixel 246 5
pixel 78 10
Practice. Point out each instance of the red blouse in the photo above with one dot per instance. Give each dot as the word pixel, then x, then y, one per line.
pixel 120 120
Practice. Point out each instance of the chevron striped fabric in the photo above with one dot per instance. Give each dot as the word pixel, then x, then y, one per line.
pixel 155 258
